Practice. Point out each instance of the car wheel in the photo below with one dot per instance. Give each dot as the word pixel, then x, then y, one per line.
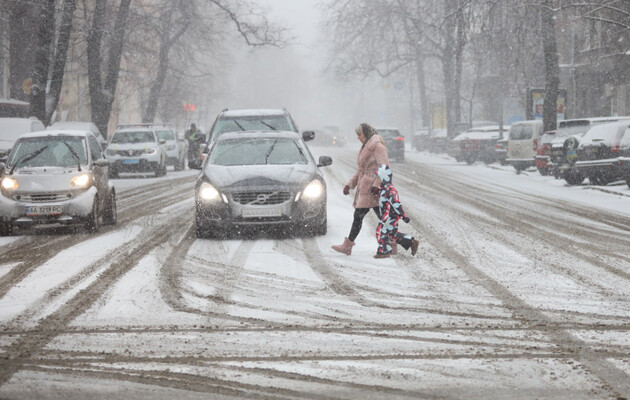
pixel 544 171
pixel 6 229
pixel 91 222
pixel 573 177
pixel 110 215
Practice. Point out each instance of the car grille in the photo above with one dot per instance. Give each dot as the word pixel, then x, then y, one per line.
pixel 130 153
pixel 42 197
pixel 261 198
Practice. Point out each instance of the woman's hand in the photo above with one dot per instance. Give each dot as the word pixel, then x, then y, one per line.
pixel 346 190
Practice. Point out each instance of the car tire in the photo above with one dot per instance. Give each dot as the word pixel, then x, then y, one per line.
pixel 6 229
pixel 573 177
pixel 92 220
pixel 544 171
pixel 110 215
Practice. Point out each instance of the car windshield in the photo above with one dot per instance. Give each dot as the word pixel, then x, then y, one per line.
pixel 165 135
pixel 521 132
pixel 388 133
pixel 261 151
pixel 133 137
pixel 251 123
pixel 51 151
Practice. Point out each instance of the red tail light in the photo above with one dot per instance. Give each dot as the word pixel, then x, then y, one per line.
pixel 535 144
pixel 400 138
pixel 614 149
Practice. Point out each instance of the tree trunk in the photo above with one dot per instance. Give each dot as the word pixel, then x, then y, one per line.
pixel 61 56
pixel 102 93
pixel 552 69
pixel 45 35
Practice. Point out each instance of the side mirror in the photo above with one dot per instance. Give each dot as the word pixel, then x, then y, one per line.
pixel 308 135
pixel 324 161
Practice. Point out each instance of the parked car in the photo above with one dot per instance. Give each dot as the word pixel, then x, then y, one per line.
pixel 522 142
pixel 12 128
pixel 599 151
pixel 395 143
pixel 624 157
pixel 477 144
pixel 252 179
pixel 56 177
pixel 543 153
pixel 176 147
pixel 437 140
pixel 80 126
pixel 136 150
pixel 500 149
pixel 420 139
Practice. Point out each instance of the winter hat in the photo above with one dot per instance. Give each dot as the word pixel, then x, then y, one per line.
pixel 384 173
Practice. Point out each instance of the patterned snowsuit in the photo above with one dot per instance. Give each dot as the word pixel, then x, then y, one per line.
pixel 391 212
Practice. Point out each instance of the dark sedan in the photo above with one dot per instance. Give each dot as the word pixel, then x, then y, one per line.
pixel 395 143
pixel 252 179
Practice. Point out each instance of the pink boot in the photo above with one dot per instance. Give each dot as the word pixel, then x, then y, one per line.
pixel 345 248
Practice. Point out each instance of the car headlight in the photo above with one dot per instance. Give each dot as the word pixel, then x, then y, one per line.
pixel 313 190
pixel 9 183
pixel 80 180
pixel 151 151
pixel 207 192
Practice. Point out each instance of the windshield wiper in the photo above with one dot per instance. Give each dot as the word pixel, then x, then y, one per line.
pixel 239 125
pixel 28 157
pixel 74 154
pixel 269 151
pixel 268 126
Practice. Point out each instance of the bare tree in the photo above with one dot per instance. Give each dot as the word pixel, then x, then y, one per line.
pixel 50 62
pixel 552 70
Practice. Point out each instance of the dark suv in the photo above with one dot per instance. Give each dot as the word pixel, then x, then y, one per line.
pixel 394 141
pixel 599 151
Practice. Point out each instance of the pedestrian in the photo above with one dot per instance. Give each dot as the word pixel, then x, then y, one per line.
pixel 391 211
pixel 193 136
pixel 372 154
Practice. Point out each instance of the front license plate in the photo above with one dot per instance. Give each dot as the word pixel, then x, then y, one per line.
pixel 44 210
pixel 262 212
pixel 131 161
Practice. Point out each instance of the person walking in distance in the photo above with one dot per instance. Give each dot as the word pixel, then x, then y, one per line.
pixel 391 211
pixel 193 135
pixel 372 154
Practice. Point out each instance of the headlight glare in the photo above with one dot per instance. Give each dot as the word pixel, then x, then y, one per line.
pixel 80 180
pixel 207 192
pixel 9 183
pixel 313 190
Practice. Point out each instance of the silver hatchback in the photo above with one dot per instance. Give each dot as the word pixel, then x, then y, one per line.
pixel 56 177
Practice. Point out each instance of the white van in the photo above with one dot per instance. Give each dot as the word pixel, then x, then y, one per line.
pixel 523 139
pixel 12 128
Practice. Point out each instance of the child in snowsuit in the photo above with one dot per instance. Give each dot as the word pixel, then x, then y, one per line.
pixel 391 212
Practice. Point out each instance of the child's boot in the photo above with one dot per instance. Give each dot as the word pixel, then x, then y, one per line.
pixel 345 248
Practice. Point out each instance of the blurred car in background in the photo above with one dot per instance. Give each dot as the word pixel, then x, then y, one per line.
pixel 437 140
pixel 523 138
pixel 420 139
pixel 176 147
pixel 476 144
pixel 253 179
pixel 56 177
pixel 80 126
pixel 325 138
pixel 12 128
pixel 394 141
pixel 136 149
pixel 599 151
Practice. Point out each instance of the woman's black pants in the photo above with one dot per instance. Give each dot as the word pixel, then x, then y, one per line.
pixel 359 214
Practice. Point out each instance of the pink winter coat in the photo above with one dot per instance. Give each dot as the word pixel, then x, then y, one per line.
pixel 371 156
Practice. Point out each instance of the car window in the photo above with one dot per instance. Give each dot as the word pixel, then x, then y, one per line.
pixel 48 152
pixel 95 149
pixel 388 133
pixel 521 132
pixel 570 128
pixel 257 152
pixel 251 123
pixel 133 137
pixel 165 134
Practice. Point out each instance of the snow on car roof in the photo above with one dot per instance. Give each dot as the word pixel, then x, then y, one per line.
pixel 57 132
pixel 253 111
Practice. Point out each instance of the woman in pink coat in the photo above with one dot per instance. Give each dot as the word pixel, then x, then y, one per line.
pixel 373 153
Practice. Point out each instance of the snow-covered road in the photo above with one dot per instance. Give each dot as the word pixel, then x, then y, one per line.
pixel 519 290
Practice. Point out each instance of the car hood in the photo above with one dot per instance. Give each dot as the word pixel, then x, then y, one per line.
pixel 260 176
pixel 132 146
pixel 44 179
